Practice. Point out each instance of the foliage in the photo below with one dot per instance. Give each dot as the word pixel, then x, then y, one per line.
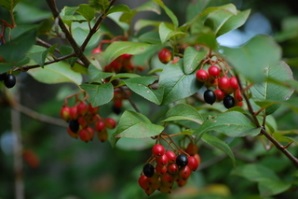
pixel 76 52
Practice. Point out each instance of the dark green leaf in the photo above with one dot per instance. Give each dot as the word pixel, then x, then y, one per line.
pixel 166 32
pixel 136 125
pixel 86 11
pixel 97 75
pixel 192 58
pixel 170 14
pixel 231 123
pixel 99 94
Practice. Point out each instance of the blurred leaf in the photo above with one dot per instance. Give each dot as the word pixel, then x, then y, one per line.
pixel 86 11
pixel 183 112
pixel 170 14
pixel 178 86
pixel 166 32
pixel 219 144
pixel 119 8
pixel 39 54
pixel 149 6
pixel 252 58
pixel 136 125
pixel 99 94
pixel 97 75
pixel 192 59
pixel 142 23
pixel 58 72
pixel 273 91
pixel 139 85
pixel 232 124
pixel 99 5
pixel 9 4
pixel 27 13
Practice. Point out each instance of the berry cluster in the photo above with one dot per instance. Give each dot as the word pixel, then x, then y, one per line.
pixel 84 121
pixel 220 86
pixel 165 167
pixel 9 80
pixel 119 96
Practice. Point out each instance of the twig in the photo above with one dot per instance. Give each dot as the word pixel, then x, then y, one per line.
pixel 96 25
pixel 76 48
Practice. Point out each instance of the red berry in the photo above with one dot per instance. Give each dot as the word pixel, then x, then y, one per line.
pixel 110 123
pixel 202 75
pixel 144 182
pixel 185 172
pixel 219 94
pixel 237 95
pixel 172 168
pixel 224 85
pixel 191 148
pixel 161 169
pixel 234 83
pixel 96 50
pixel 93 110
pixel 167 178
pixel 82 108
pixel 165 56
pixel 192 163
pixel 162 160
pixel 73 112
pixel 158 150
pixel 214 71
pixel 65 113
pixel 100 125
pixel 171 156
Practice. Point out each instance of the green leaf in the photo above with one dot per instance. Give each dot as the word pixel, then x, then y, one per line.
pixel 268 181
pixel 170 14
pixel 99 94
pixel 9 4
pixel 232 124
pixel 86 11
pixel 68 15
pixel 97 75
pixel 252 58
pixel 124 47
pixel 39 54
pixel 166 32
pixel 268 90
pixel 149 6
pixel 58 72
pixel 136 125
pixel 176 84
pixel 22 43
pixel 183 112
pixel 139 85
pixel 143 23
pixel 99 5
pixel 219 144
pixel 192 58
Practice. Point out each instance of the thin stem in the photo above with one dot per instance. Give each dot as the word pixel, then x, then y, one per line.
pixel 76 48
pixel 130 100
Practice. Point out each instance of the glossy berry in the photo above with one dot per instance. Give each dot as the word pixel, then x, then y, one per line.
pixel 229 101
pixel 110 123
pixel 100 125
pixel 181 160
pixel 193 163
pixel 74 125
pixel 172 168
pixel 185 172
pixel 237 95
pixel 144 182
pixel 148 170
pixel 165 56
pixel 219 95
pixel 224 85
pixel 171 156
pixel 65 113
pixel 162 160
pixel 158 150
pixel 234 83
pixel 9 81
pixel 82 108
pixel 214 71
pixel 202 75
pixel 209 96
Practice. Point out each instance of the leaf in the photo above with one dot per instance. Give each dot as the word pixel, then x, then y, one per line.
pixel 268 90
pixel 136 125
pixel 139 85
pixel 219 144
pixel 170 14
pixel 252 58
pixel 166 32
pixel 192 58
pixel 22 43
pixel 9 4
pixel 183 112
pixel 124 47
pixel 268 181
pixel 86 11
pixel 142 23
pixel 176 84
pixel 99 94
pixel 59 72
pixel 97 75
pixel 39 54
pixel 232 124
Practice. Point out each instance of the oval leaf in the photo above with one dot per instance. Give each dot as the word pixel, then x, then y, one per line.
pixel 99 94
pixel 192 58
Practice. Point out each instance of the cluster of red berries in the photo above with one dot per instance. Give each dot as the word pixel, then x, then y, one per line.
pixel 220 86
pixel 9 80
pixel 165 167
pixel 84 121
pixel 119 96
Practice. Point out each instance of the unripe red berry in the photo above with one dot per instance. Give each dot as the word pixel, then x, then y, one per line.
pixel 158 150
pixel 219 95
pixel 100 125
pixel 234 83
pixel 65 113
pixel 185 172
pixel 224 84
pixel 82 108
pixel 165 56
pixel 214 71
pixel 110 123
pixel 192 163
pixel 202 75
pixel 171 156
pixel 192 148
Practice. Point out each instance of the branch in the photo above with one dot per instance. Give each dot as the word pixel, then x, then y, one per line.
pixel 76 48
pixel 96 25
pixel 278 145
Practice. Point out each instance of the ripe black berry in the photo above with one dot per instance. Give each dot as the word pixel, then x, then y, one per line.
pixel 181 160
pixel 229 101
pixel 209 96
pixel 9 80
pixel 116 110
pixel 148 170
pixel 74 125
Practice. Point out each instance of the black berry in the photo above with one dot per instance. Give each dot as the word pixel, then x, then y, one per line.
pixel 148 170
pixel 9 80
pixel 116 110
pixel 181 160
pixel 209 96
pixel 74 125
pixel 229 101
